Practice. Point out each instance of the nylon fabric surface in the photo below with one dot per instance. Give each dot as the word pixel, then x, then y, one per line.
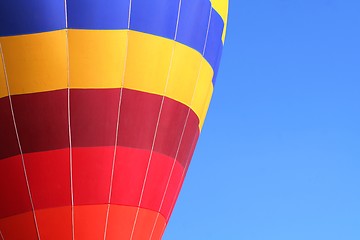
pixel 101 107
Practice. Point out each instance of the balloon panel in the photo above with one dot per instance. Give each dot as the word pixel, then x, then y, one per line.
pixel 156 17
pixel 101 106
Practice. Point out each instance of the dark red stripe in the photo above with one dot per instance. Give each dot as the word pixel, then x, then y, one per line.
pixel 42 122
pixel 138 117
pixel 93 117
pixel 8 142
pixel 171 126
pixel 189 140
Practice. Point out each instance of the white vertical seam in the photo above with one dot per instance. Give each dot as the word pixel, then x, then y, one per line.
pixel 19 144
pixel 66 13
pixel 117 122
pixel 181 180
pixel 115 152
pixel 70 137
pixel 183 131
pixel 158 120
pixel 69 122
pixel 129 14
pixel 150 156
pixel 168 181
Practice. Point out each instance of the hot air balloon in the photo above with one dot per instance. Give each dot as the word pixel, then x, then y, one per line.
pixel 101 106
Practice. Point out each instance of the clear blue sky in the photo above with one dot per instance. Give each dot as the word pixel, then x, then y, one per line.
pixel 279 155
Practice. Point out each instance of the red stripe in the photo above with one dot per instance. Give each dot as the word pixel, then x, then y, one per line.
pixel 129 176
pixel 172 193
pixel 175 185
pixel 129 173
pixel 91 174
pixel 14 194
pixel 49 179
pixel 157 178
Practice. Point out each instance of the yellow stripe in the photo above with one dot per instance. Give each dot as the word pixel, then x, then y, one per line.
pixel 222 7
pixel 206 105
pixel 202 97
pixel 3 89
pixel 96 58
pixel 148 62
pixel 38 63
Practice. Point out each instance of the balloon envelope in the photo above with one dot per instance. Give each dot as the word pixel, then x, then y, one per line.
pixel 101 106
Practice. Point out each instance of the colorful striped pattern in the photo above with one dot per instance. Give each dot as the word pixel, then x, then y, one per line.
pixel 101 106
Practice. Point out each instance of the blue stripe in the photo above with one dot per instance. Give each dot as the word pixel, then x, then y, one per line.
pixel 157 17
pixel 217 64
pixel 31 16
pixel 214 43
pixel 98 14
pixel 193 23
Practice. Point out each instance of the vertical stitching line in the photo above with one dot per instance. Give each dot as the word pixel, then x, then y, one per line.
pixel 183 131
pixel 117 122
pixel 19 144
pixel 158 120
pixel 179 186
pixel 70 137
pixel 69 121
pixel 66 13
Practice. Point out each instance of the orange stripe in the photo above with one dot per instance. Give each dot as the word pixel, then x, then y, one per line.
pixel 121 219
pixel 54 223
pixel 90 221
pixel 21 226
pixel 3 88
pixel 123 216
